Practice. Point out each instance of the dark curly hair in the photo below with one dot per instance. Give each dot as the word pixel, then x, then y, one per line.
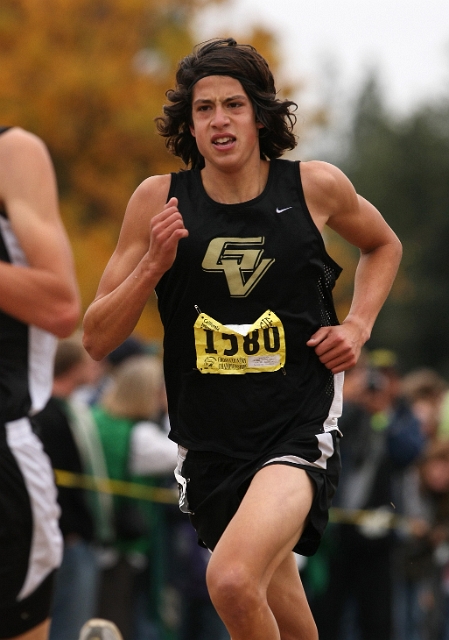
pixel 245 64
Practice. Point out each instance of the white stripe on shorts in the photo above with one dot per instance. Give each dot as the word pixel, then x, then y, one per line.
pixel 46 543
pixel 325 445
pixel 325 441
pixel 336 408
pixel 182 482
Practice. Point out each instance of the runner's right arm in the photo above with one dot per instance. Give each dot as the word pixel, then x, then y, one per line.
pixel 145 250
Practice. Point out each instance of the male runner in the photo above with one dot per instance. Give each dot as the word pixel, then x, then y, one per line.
pixel 38 301
pixel 254 355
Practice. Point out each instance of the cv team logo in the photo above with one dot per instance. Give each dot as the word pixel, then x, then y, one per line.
pixel 241 260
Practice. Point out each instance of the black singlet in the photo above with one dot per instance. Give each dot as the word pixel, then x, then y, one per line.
pixel 238 262
pixel 26 352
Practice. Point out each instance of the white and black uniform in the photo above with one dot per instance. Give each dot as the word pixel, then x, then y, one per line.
pixel 249 286
pixel 30 540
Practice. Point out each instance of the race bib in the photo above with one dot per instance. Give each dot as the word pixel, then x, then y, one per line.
pixel 239 349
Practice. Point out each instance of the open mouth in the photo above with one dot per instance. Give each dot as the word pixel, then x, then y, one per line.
pixel 223 141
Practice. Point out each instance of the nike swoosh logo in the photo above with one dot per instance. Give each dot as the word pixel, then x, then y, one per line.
pixel 281 210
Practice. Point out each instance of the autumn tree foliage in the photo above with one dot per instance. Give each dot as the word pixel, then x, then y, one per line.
pixel 89 77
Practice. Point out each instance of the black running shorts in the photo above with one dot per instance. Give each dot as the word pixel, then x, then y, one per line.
pixel 30 540
pixel 212 485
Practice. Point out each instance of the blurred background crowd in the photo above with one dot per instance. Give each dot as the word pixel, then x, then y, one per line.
pixel 129 556
pixel 382 570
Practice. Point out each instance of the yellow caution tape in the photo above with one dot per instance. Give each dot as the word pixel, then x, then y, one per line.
pixel 373 521
pixel 116 487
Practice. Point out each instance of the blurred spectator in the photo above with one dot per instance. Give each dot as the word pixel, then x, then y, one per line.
pixel 434 472
pixel 136 449
pixel 425 556
pixel 96 372
pixel 381 438
pixel 101 372
pixel 426 390
pixel 72 444
pixel 198 619
pixel 355 379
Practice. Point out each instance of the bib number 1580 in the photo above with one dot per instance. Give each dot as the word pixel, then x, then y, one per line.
pixel 241 349
pixel 250 344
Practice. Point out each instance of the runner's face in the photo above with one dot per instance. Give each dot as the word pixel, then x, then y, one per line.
pixel 223 122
